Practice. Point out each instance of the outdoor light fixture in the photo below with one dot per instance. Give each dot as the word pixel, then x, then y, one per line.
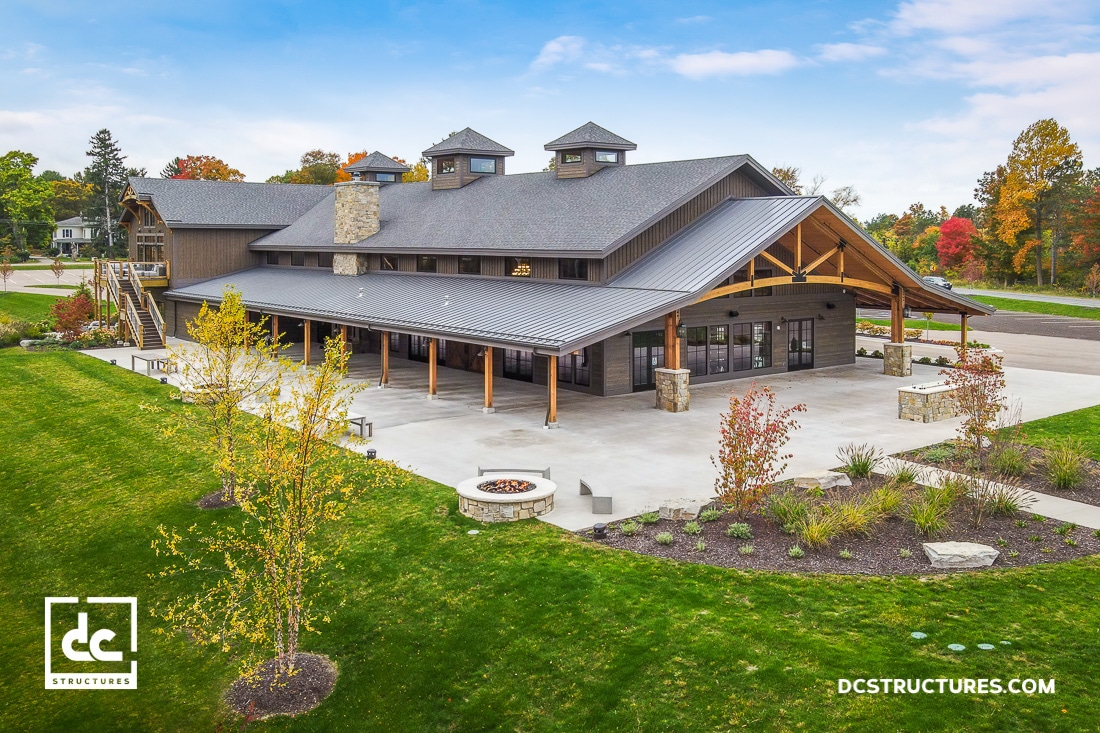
pixel 481 353
pixel 821 316
pixel 681 330
pixel 371 454
pixel 599 531
pixel 782 319
pixel 734 314
pixel 114 362
pixel 830 306
pixel 164 380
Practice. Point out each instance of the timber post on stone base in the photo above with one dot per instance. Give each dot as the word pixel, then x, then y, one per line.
pixel 672 389
pixel 962 336
pixel 897 360
pixel 551 392
pixel 384 380
pixel 487 369
pixel 275 333
pixel 433 369
pixel 306 342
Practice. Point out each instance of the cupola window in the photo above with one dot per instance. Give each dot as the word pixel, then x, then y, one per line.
pixel 386 177
pixel 445 165
pixel 571 156
pixel 607 156
pixel 483 165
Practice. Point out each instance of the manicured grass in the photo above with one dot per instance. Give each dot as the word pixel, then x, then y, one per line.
pixel 27 306
pixel 55 287
pixel 1035 306
pixel 522 627
pixel 915 323
pixel 68 266
pixel 1082 424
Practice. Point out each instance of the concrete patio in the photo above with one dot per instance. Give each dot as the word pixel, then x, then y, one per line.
pixel 641 455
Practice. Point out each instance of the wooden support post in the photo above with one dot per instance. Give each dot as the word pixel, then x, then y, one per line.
pixel 275 333
pixel 433 349
pixel 897 317
pixel 963 337
pixel 798 249
pixel 752 271
pixel 306 341
pixel 552 391
pixel 384 380
pixel 487 367
pixel 672 341
pixel 344 337
pixel 840 263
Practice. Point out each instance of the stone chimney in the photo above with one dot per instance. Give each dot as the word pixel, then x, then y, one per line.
pixel 356 211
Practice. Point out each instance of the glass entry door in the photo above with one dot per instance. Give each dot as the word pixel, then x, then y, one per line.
pixel 800 336
pixel 648 355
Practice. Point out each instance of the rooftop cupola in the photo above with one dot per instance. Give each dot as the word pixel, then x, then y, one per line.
pixel 464 157
pixel 587 149
pixel 377 168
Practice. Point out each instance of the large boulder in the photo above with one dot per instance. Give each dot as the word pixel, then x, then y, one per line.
pixel 822 480
pixel 953 555
pixel 680 508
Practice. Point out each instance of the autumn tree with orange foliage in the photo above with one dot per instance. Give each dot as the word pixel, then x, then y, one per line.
pixel 201 168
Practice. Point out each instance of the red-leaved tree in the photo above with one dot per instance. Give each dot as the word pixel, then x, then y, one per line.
pixel 956 243
pixel 979 383
pixel 71 314
pixel 749 460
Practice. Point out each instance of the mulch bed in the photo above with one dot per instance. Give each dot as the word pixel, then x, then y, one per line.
pixel 878 554
pixel 263 696
pixel 215 500
pixel 1034 479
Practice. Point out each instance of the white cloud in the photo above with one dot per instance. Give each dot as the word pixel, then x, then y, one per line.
pixel 839 52
pixel 694 20
pixel 740 63
pixel 962 16
pixel 563 49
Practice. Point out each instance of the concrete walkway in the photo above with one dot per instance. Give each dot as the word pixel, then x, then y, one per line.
pixel 1039 297
pixel 1046 505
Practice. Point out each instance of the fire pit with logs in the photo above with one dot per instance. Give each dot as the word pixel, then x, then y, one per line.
pixel 506 497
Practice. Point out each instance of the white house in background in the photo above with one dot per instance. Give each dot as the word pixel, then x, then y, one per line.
pixel 71 234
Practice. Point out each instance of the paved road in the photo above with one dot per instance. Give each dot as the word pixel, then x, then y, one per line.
pixel 22 281
pixel 1036 324
pixel 1040 297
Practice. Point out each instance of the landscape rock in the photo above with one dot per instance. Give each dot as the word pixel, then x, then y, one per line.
pixel 680 508
pixel 960 554
pixel 822 479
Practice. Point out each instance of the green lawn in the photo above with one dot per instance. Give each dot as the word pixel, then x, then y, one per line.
pixel 56 287
pixel 68 266
pixel 1035 306
pixel 915 323
pixel 27 306
pixel 1083 424
pixel 521 628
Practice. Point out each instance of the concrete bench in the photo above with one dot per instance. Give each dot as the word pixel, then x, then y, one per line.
pixel 601 499
pixel 158 362
pixel 544 472
pixel 361 422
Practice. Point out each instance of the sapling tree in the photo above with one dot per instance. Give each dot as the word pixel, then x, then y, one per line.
pixel 57 267
pixel 749 460
pixel 6 270
pixel 298 484
pixel 229 363
pixel 979 384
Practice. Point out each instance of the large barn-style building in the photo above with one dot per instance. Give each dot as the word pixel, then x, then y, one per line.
pixel 595 276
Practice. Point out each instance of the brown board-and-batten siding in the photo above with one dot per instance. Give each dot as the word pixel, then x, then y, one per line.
pixel 735 185
pixel 201 254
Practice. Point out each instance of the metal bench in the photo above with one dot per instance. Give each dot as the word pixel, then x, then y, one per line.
pixel 545 472
pixel 361 422
pixel 601 499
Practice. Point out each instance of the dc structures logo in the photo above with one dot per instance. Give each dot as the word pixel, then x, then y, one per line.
pixel 100 659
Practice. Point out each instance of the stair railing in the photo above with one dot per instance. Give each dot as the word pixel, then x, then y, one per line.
pixel 158 319
pixel 133 321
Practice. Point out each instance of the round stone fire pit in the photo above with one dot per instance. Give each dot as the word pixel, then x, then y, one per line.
pixel 506 497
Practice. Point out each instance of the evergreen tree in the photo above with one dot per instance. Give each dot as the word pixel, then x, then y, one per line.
pixel 107 176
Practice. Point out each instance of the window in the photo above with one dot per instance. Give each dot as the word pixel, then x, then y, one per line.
pixel 469 265
pixel 418 348
pixel 426 263
pixel 519 365
pixel 573 269
pixel 385 177
pixel 387 262
pixel 607 156
pixel 696 351
pixel 517 267
pixel 445 165
pixel 742 347
pixel 272 258
pixel 707 350
pixel 762 345
pixel 574 368
pixel 66 233
pixel 324 259
pixel 148 218
pixel 571 156
pixel 483 165
pixel 298 259
pixel 742 276
pixel 718 350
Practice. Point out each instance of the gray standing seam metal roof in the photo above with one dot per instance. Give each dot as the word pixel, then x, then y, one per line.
pixel 529 213
pixel 549 316
pixel 377 161
pixel 228 204
pixel 588 135
pixel 467 141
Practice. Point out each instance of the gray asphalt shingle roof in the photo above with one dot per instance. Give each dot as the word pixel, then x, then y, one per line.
pixel 532 213
pixel 590 134
pixel 550 316
pixel 376 161
pixel 72 221
pixel 467 141
pixel 227 204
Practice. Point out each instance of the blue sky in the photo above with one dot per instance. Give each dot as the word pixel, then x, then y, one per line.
pixel 906 101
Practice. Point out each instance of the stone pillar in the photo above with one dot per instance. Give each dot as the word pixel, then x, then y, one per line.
pixel 350 263
pixel 356 211
pixel 897 360
pixel 672 390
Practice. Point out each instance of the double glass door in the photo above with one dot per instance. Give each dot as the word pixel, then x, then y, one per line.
pixel 649 355
pixel 800 337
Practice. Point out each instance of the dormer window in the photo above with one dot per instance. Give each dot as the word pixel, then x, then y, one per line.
pixel 445 165
pixel 388 262
pixel 573 269
pixel 426 263
pixel 607 156
pixel 572 156
pixel 483 165
pixel 385 177
pixel 469 265
pixel 518 266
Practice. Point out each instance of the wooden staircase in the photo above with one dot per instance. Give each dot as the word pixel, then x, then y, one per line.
pixel 139 317
pixel 147 335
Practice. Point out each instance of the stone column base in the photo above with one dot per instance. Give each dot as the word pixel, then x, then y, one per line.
pixel 672 390
pixel 897 360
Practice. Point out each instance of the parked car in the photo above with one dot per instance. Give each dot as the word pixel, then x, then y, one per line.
pixel 937 280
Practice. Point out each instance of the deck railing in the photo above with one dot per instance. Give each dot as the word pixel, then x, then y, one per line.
pixel 133 321
pixel 158 319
